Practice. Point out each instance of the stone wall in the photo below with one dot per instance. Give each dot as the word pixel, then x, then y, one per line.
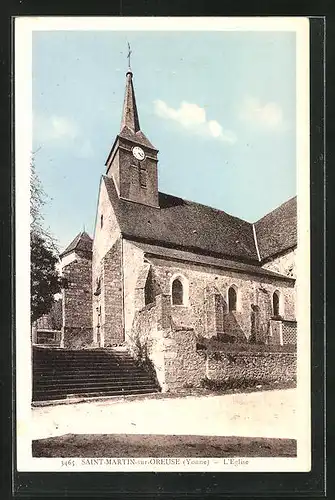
pixel 252 367
pixel 126 172
pixel 111 298
pixel 147 339
pixel 207 293
pixel 207 285
pixel 133 260
pixel 77 337
pixel 105 234
pixel 185 366
pixel 104 259
pixel 77 303
pixel 179 362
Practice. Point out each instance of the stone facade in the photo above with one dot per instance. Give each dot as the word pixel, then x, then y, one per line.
pixel 106 232
pixel 106 275
pixel 206 310
pixel 111 298
pixel 77 302
pixel 135 180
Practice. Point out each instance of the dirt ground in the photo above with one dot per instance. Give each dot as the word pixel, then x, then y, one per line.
pixel 268 414
pixel 130 445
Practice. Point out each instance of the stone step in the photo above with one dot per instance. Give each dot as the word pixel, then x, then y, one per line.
pixel 88 369
pixel 77 355
pixel 103 364
pixel 97 388
pixel 84 381
pixel 94 352
pixel 64 383
pixel 91 395
pixel 58 374
pixel 91 362
pixel 111 357
pixel 91 375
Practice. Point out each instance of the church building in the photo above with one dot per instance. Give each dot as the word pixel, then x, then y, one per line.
pixel 159 265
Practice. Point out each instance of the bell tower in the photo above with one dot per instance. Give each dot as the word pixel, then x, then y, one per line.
pixel 132 161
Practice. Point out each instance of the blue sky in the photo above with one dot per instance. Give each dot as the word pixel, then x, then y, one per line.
pixel 219 106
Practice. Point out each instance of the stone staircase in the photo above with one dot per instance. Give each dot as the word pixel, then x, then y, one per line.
pixel 61 374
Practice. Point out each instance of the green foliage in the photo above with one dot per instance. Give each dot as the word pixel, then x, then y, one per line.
pixel 45 280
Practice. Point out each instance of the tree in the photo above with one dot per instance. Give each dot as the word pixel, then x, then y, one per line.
pixel 45 280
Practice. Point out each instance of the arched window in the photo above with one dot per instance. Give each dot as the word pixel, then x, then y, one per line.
pixel 101 221
pixel 232 299
pixel 276 303
pixel 177 292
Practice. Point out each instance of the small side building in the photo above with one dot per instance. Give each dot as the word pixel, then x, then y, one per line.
pixel 76 270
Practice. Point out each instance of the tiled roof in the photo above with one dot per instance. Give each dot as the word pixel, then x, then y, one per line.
pixel 184 224
pixel 136 137
pixel 181 255
pixel 82 242
pixel 277 231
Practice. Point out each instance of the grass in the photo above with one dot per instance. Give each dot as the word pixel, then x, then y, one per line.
pixel 143 445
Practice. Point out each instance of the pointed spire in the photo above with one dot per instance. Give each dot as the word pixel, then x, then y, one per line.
pixel 130 115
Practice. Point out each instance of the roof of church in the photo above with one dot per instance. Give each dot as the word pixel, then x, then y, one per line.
pixel 182 255
pixel 184 224
pixel 138 137
pixel 276 232
pixel 82 242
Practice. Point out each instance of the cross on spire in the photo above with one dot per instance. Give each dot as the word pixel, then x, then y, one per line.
pixel 128 56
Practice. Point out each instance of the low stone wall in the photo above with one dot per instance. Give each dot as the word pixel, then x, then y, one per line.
pixel 188 366
pixel 146 341
pixel 262 367
pixel 185 366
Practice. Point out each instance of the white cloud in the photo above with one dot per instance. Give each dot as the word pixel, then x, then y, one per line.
pixel 54 128
pixel 268 115
pixel 62 132
pixel 85 150
pixel 193 117
pixel 63 127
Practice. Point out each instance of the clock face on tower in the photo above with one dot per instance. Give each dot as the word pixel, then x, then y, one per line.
pixel 138 153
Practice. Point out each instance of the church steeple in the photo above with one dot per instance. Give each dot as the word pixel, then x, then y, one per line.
pixel 130 115
pixel 132 162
